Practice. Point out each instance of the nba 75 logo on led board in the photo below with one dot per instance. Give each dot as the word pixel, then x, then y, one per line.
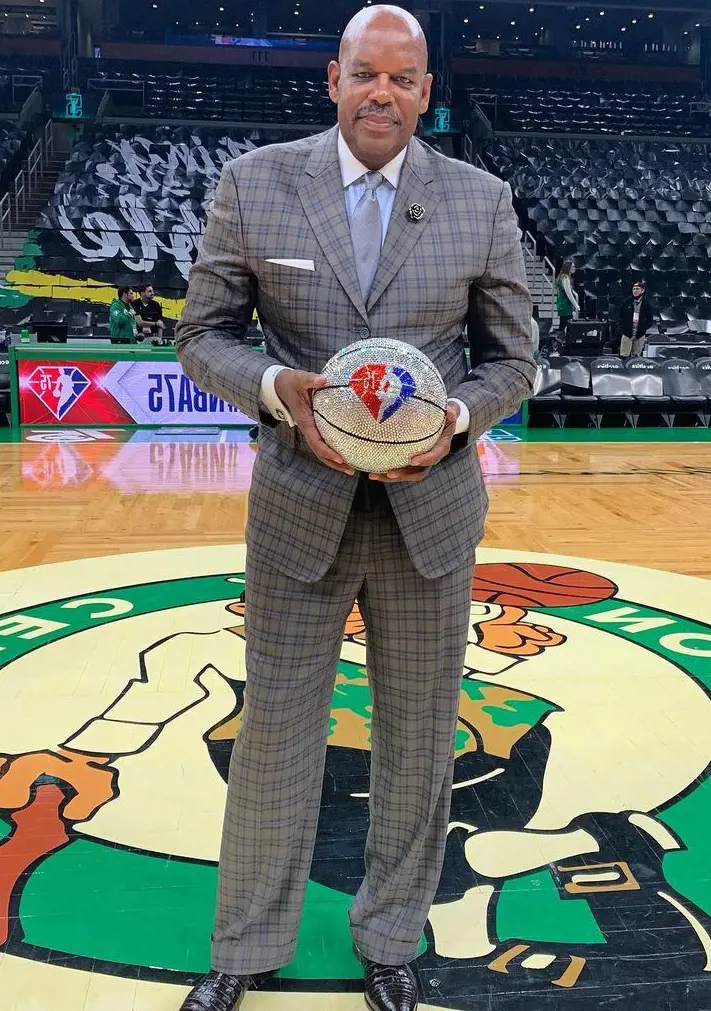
pixel 59 387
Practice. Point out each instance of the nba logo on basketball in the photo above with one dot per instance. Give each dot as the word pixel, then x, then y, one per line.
pixel 382 388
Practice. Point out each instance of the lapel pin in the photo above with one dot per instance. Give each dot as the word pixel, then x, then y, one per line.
pixel 415 212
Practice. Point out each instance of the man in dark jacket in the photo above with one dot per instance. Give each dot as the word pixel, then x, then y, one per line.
pixel 635 319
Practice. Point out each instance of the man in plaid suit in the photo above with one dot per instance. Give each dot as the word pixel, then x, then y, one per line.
pixel 285 235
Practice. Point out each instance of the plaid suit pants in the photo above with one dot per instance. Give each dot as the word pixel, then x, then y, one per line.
pixel 416 637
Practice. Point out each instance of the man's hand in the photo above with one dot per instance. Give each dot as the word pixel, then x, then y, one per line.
pixel 294 388
pixel 422 463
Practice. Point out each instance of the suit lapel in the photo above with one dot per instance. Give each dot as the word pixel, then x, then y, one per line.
pixel 321 193
pixel 417 185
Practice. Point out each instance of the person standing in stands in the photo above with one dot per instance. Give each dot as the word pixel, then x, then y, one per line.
pixel 382 228
pixel 635 319
pixel 149 312
pixel 122 318
pixel 535 329
pixel 567 304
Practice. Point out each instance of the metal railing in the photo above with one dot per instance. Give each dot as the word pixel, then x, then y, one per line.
pixel 544 272
pixel 14 202
pixel 104 108
pixel 20 193
pixel 5 216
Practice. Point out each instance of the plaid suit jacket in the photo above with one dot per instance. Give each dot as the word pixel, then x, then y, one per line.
pixel 460 264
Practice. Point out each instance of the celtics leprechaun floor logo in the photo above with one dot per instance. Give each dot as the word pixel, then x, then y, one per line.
pixel 577 859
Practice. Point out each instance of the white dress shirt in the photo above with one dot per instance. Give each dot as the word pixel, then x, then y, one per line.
pixel 352 174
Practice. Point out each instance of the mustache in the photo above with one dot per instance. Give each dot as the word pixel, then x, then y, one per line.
pixel 378 110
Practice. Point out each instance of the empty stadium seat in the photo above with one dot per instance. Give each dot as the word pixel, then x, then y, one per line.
pixel 612 386
pixel 546 401
pixel 238 94
pixel 682 385
pixel 556 106
pixel 647 384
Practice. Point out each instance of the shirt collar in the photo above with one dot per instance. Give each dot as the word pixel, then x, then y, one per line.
pixel 352 169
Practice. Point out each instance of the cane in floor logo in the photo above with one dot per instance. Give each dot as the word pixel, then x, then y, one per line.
pixel 58 387
pixel 577 852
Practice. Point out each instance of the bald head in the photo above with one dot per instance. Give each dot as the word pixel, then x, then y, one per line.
pixel 384 18
pixel 380 82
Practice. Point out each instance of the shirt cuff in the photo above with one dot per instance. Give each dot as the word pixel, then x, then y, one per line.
pixel 269 398
pixel 463 419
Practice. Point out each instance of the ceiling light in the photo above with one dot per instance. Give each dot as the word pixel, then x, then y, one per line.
pixel 512 22
pixel 697 25
pixel 634 21
pixel 531 10
pixel 602 14
pixel 578 27
pixel 466 21
pixel 623 29
pixel 650 15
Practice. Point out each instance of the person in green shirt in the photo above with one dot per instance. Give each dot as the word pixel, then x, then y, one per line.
pixel 567 303
pixel 122 318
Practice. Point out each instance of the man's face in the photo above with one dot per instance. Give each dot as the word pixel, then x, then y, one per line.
pixel 148 294
pixel 129 296
pixel 381 88
pixel 637 292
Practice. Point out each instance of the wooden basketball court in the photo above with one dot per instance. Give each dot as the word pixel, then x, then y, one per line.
pixel 642 503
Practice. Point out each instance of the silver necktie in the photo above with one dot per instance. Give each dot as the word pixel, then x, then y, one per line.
pixel 367 232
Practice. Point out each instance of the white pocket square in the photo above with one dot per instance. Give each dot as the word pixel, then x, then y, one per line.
pixel 297 264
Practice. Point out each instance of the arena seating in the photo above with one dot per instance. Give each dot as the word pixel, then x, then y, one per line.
pixel 615 109
pixel 131 204
pixel 27 73
pixel 11 140
pixel 277 96
pixel 623 210
pixel 616 392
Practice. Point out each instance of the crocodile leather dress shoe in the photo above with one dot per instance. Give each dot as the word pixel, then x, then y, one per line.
pixel 390 987
pixel 217 992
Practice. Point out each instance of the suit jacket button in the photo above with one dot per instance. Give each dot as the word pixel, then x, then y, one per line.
pixel 280 415
pixel 363 332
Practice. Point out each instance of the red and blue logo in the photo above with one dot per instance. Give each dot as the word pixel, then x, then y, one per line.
pixel 58 387
pixel 382 388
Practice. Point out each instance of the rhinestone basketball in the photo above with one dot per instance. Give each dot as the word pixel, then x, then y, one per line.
pixel 385 402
